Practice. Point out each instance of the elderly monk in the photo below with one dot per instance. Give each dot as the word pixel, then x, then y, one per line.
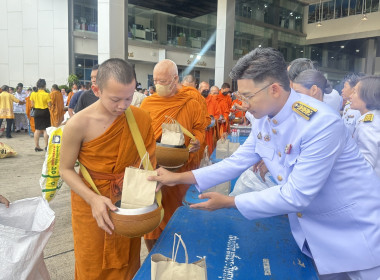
pixel 178 102
pixel 189 81
pixel 57 106
pixel 99 136
pixel 224 106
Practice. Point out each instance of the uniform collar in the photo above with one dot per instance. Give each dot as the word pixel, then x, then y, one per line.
pixel 286 111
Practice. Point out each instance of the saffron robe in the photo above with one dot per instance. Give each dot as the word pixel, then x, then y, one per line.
pixel 99 255
pixel 28 107
pixel 238 113
pixel 69 96
pixel 183 108
pixel 224 106
pixel 56 108
pixel 212 109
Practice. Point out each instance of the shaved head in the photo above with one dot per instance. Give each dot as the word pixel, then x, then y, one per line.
pixel 214 90
pixel 166 67
pixel 189 81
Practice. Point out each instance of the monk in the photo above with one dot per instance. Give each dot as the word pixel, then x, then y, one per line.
pixel 99 136
pixel 56 109
pixel 211 103
pixel 224 106
pixel 237 108
pixel 28 108
pixel 178 102
pixel 74 89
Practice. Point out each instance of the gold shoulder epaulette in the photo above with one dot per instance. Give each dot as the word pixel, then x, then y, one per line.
pixel 303 110
pixel 368 118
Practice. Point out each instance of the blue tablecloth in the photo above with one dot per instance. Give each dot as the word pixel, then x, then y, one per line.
pixel 235 248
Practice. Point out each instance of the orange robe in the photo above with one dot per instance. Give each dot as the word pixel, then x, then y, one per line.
pixel 28 107
pixel 56 109
pixel 71 93
pixel 238 113
pixel 212 108
pixel 224 106
pixel 183 108
pixel 97 254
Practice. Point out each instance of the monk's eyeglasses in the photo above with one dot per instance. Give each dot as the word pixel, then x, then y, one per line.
pixel 249 97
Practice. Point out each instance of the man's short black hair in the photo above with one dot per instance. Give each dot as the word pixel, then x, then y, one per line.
pixel 120 70
pixel 225 85
pixel 95 67
pixel 55 87
pixel 260 65
pixel 41 83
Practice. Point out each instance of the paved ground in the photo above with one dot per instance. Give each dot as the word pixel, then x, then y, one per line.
pixel 20 179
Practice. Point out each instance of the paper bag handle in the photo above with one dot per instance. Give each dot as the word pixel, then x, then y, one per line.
pixel 174 254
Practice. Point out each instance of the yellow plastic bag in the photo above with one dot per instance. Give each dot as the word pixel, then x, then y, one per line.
pixel 6 151
pixel 50 180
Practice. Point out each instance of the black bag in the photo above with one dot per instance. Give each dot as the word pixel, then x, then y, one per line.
pixel 32 112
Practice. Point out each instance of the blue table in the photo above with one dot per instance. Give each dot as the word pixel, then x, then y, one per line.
pixel 235 248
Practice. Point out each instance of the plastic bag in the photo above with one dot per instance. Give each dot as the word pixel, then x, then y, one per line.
pixel 250 181
pixel 6 151
pixel 172 133
pixel 25 228
pixel 50 180
pixel 205 161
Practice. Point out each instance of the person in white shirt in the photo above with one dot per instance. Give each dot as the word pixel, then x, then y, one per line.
pixel 19 110
pixel 366 99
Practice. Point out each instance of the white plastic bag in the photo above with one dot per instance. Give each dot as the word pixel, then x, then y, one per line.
pixel 25 228
pixel 250 181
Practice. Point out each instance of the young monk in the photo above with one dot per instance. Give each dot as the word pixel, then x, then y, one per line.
pixel 100 138
pixel 178 102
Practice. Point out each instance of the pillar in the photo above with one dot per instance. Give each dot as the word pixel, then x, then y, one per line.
pixel 225 27
pixel 112 29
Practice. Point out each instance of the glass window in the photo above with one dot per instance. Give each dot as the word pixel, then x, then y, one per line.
pixel 83 67
pixel 86 15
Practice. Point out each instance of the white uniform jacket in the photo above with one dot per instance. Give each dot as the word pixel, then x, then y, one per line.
pixel 350 117
pixel 367 136
pixel 330 192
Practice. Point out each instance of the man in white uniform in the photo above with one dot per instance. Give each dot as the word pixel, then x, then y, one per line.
pixel 330 193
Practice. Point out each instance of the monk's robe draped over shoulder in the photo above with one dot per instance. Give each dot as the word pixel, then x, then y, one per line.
pixel 183 108
pixel 99 255
pixel 212 109
pixel 56 108
pixel 238 113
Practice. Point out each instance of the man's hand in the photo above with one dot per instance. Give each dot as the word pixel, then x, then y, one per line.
pixel 215 201
pixel 5 201
pixel 99 206
pixel 164 177
pixel 195 145
pixel 262 168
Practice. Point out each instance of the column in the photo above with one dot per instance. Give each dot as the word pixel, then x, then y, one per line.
pixel 225 26
pixel 112 29
pixel 161 27
pixel 370 56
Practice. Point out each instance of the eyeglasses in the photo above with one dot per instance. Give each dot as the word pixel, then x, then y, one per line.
pixel 247 98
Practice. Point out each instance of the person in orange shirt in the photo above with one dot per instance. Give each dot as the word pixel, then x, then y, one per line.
pixel 57 106
pixel 177 102
pixel 100 138
pixel 224 106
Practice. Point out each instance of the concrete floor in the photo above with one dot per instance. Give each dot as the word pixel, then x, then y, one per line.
pixel 19 178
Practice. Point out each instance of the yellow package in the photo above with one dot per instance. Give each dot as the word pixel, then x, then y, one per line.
pixel 50 180
pixel 6 151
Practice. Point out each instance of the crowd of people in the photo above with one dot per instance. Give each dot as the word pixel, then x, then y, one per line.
pixel 321 146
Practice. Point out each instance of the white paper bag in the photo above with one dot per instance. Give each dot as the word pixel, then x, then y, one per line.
pixel 163 268
pixel 172 133
pixel 25 228
pixel 137 191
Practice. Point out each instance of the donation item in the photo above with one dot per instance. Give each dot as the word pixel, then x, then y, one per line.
pixel 25 228
pixel 6 151
pixel 164 268
pixel 50 180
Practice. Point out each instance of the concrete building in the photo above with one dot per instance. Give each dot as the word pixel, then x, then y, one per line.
pixel 52 38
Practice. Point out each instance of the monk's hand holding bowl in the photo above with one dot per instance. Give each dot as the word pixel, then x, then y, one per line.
pixel 195 145
pixel 99 206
